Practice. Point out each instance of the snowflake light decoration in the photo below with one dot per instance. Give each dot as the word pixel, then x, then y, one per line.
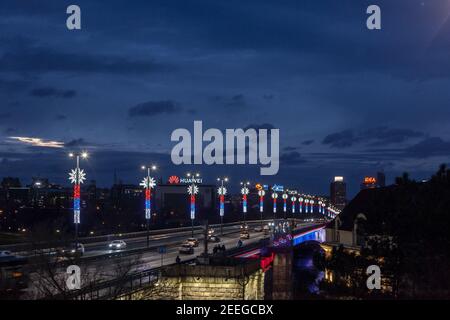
pixel 222 191
pixel 148 183
pixel 192 189
pixel 245 190
pixel 77 176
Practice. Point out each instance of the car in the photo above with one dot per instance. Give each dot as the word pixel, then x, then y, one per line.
pixel 117 244
pixel 186 248
pixel 258 229
pixel 244 235
pixel 213 239
pixel 244 226
pixel 193 242
pixel 266 230
pixel 73 250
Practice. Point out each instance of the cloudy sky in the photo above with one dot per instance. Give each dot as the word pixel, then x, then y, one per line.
pixel 347 100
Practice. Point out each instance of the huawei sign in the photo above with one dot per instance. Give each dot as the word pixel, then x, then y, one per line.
pixel 174 180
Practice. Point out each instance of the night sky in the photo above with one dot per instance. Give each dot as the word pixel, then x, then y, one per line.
pixel 348 101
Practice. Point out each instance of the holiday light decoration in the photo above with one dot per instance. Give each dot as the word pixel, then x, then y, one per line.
pixel 222 191
pixel 261 194
pixel 300 200
pixel 192 191
pixel 284 196
pixel 320 206
pixel 306 205
pixel 244 191
pixel 311 207
pixel 274 197
pixel 148 183
pixel 77 176
pixel 293 201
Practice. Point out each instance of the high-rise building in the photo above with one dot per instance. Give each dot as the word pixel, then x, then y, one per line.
pixel 338 192
pixel 381 179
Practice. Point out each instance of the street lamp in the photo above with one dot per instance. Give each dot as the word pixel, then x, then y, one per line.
pixel 222 191
pixel 244 191
pixel 148 183
pixel 300 200
pixel 274 197
pixel 261 194
pixel 293 200
pixel 284 196
pixel 77 177
pixel 192 191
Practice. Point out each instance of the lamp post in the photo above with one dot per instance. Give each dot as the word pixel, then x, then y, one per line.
pixel 261 194
pixel 244 191
pixel 192 191
pixel 307 206
pixel 222 191
pixel 293 201
pixel 300 200
pixel 274 197
pixel 148 183
pixel 77 177
pixel 323 208
pixel 311 208
pixel 320 206
pixel 284 196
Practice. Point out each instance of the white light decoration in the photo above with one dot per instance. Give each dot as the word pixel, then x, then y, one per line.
pixel 148 182
pixel 77 176
pixel 261 193
pixel 274 195
pixel 192 189
pixel 222 191
pixel 245 190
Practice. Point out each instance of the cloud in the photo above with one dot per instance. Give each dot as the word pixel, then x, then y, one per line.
pixel 32 57
pixel 236 101
pixel 76 143
pixel 291 159
pixel 38 142
pixel 52 92
pixel 429 147
pixel 374 137
pixel 307 142
pixel 154 108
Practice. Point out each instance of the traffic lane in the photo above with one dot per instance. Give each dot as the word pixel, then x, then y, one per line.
pixel 153 242
pixel 141 242
pixel 151 260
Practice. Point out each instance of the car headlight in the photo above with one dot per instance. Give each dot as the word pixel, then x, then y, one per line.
pixel 119 245
pixel 73 250
pixel 110 245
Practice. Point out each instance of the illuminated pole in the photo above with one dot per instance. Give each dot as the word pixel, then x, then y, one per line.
pixel 192 191
pixel 293 201
pixel 261 194
pixel 323 208
pixel 311 208
pixel 244 191
pixel 222 191
pixel 320 206
pixel 77 177
pixel 284 196
pixel 300 200
pixel 274 197
pixel 148 183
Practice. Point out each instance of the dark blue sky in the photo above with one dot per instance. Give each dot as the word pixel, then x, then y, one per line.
pixel 348 101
